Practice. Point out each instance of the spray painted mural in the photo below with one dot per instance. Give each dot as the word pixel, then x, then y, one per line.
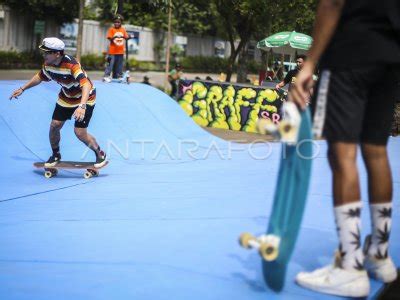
pixel 227 106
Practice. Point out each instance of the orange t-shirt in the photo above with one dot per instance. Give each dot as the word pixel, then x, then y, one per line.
pixel 117 45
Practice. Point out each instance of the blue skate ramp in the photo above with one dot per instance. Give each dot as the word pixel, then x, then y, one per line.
pixel 163 218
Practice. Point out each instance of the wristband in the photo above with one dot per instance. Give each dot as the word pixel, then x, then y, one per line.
pixel 22 88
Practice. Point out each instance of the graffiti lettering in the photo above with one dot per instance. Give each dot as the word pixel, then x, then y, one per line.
pixel 274 117
pixel 227 106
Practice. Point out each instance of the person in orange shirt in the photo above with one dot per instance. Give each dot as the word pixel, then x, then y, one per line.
pixel 116 50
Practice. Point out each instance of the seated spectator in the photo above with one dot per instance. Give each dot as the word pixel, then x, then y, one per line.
pixel 146 80
pixel 209 78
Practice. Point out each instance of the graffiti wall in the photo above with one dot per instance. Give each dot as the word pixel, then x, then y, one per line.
pixel 227 106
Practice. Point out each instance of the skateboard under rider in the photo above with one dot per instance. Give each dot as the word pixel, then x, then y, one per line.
pixel 49 172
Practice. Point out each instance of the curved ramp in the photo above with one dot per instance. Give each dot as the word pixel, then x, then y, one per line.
pixel 162 220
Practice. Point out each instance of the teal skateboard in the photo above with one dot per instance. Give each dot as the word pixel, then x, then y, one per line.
pixel 277 245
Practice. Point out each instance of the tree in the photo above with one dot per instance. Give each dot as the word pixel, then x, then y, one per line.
pixel 288 15
pixel 80 30
pixel 61 10
pixel 237 19
pixel 240 21
pixel 188 17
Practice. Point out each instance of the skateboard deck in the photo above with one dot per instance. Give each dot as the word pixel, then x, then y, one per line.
pixel 125 79
pixel 91 170
pixel 277 245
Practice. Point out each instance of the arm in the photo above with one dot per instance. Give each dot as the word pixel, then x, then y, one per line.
pixel 79 113
pixel 285 81
pixel 35 80
pixel 176 76
pixel 326 21
pixel 126 35
pixel 85 86
pixel 85 93
pixel 280 85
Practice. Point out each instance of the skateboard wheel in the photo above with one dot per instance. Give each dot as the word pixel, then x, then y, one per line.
pixel 245 238
pixel 285 128
pixel 268 251
pixel 90 173
pixel 269 248
pixel 50 173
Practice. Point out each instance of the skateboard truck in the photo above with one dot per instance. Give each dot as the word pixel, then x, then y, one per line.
pixel 267 245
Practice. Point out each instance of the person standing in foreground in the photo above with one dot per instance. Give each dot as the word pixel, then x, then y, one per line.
pixel 357 43
pixel 116 50
pixel 76 99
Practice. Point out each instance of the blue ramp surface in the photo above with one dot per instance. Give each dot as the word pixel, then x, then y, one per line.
pixel 162 219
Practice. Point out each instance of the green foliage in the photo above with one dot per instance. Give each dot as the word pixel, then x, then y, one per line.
pixel 288 15
pixel 207 64
pixel 31 60
pixel 61 10
pixel 187 16
pixel 17 60
pixel 93 62
pixel 215 65
pixel 253 66
pixel 133 63
pixel 146 66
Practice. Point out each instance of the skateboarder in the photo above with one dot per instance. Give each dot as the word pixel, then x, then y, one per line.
pixel 76 98
pixel 357 44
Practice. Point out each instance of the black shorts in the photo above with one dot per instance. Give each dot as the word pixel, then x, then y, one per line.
pixel 356 105
pixel 62 113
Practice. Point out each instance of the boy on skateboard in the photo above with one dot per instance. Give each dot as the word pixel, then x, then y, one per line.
pixel 76 99
pixel 357 44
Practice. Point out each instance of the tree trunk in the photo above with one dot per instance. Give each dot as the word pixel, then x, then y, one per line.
pixel 80 31
pixel 168 45
pixel 396 120
pixel 233 56
pixel 159 47
pixel 120 7
pixel 242 65
pixel 229 70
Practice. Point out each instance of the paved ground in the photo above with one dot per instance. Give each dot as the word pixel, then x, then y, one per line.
pixel 156 78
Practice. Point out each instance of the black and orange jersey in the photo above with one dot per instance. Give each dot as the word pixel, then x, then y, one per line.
pixel 71 76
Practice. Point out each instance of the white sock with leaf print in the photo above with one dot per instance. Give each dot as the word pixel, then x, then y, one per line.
pixel 381 219
pixel 348 223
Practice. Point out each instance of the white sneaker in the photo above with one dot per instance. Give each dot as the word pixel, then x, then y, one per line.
pixel 107 79
pixel 381 269
pixel 336 281
pixel 324 270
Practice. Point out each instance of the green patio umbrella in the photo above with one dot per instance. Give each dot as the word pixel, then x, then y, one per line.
pixel 286 43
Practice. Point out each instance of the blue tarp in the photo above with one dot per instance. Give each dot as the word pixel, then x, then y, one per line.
pixel 163 218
